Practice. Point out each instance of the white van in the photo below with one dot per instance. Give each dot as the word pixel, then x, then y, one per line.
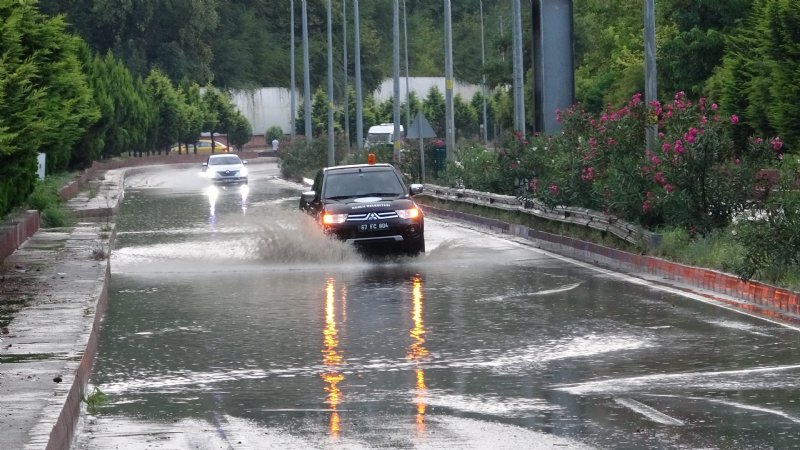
pixel 383 134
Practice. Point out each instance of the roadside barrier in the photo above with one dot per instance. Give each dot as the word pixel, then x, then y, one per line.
pixel 577 216
pixel 751 296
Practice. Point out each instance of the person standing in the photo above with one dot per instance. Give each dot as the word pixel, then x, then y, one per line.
pixel 275 144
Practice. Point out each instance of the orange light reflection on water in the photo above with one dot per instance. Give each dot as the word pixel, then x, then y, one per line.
pixel 417 351
pixel 332 358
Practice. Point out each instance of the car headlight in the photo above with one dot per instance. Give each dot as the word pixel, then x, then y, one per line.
pixel 333 219
pixel 411 213
pixel 243 171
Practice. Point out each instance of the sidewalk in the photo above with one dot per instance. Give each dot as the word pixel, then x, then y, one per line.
pixel 53 291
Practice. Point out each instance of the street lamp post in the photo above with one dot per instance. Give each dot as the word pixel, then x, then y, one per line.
pixel 408 95
pixel 650 92
pixel 346 80
pixel 396 53
pixel 450 141
pixel 293 91
pixel 331 137
pixel 519 79
pixel 306 78
pixel 483 80
pixel 359 100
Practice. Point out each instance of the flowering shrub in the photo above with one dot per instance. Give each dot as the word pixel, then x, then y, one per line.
pixel 769 235
pixel 694 177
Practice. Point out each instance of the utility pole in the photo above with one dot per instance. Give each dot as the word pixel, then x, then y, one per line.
pixel 650 91
pixel 346 81
pixel 450 141
pixel 408 95
pixel 519 80
pixel 483 80
pixel 293 91
pixel 359 100
pixel 331 137
pixel 306 78
pixel 396 54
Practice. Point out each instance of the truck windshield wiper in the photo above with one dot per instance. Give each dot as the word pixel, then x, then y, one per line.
pixel 381 194
pixel 340 197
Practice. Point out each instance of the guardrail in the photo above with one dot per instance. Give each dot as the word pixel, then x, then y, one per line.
pixel 576 216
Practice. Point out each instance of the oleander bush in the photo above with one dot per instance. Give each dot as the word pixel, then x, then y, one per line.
pixel 692 185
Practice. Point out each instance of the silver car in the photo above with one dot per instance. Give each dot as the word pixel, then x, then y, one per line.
pixel 225 169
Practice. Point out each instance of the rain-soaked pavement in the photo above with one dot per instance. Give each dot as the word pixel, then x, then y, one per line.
pixel 232 323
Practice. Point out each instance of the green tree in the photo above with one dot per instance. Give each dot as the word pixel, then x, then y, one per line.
pixel 688 56
pixel 220 112
pixel 240 131
pixel 45 102
pixel 170 109
pixel 195 114
pixel 758 77
pixel 465 118
pixel 434 108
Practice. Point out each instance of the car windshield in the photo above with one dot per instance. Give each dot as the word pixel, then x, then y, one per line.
pixel 374 138
pixel 224 160
pixel 381 183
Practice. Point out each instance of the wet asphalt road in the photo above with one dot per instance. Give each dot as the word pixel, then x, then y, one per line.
pixel 233 323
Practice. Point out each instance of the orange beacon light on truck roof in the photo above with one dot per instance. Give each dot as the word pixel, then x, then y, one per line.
pixel 371 158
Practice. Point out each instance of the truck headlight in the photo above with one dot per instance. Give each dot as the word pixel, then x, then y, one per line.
pixel 333 219
pixel 411 213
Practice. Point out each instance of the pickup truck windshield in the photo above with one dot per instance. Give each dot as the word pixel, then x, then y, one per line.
pixel 383 183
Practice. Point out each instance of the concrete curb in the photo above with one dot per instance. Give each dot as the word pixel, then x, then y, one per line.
pixel 751 296
pixel 17 232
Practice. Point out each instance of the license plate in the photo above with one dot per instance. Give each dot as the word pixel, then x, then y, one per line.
pixel 373 226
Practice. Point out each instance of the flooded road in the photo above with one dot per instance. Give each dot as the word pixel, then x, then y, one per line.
pixel 233 323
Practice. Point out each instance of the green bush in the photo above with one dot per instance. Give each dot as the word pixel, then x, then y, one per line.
pixel 45 199
pixel 273 132
pixel 300 159
pixel 771 235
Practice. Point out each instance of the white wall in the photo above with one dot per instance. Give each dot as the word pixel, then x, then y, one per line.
pixel 266 107
pixel 421 86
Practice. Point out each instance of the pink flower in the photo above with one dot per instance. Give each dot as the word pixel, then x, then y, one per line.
pixel 759 141
pixel 666 147
pixel 669 188
pixel 654 160
pixel 777 144
pixel 554 189
pixel 534 184
pixel 679 147
pixel 660 179
pixel 714 106
pixel 690 136
pixel 612 142
pixel 734 119
pixel 587 174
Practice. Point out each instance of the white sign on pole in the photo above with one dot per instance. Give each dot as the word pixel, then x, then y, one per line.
pixel 41 160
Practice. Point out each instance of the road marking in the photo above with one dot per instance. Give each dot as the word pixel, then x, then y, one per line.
pixel 649 412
